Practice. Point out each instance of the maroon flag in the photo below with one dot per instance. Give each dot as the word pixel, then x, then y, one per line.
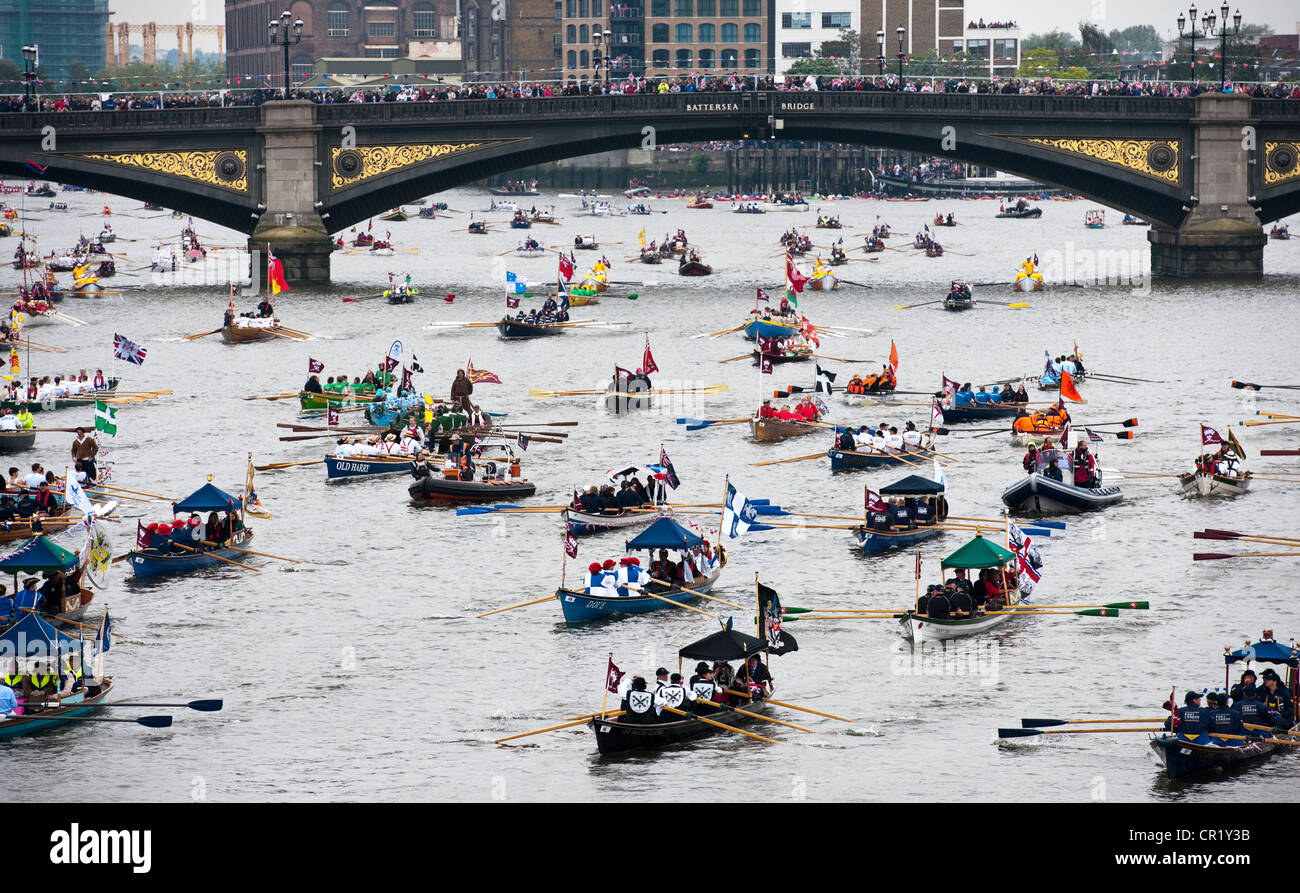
pixel 571 545
pixel 332 416
pixel 406 379
pixel 1210 437
pixel 622 374
pixel 761 295
pixel 141 536
pixel 918 564
pixel 314 365
pixel 613 676
pixel 949 386
pixel 512 302
pixel 648 363
pixel 875 504
pixel 767 364
pixel 390 363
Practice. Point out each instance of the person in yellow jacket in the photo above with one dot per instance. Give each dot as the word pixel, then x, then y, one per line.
pixel 25 419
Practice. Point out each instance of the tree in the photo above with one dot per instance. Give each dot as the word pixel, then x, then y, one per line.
pixel 1056 40
pixel 815 66
pixel 1040 62
pixel 1143 39
pixel 11 76
pixel 958 65
pixel 78 74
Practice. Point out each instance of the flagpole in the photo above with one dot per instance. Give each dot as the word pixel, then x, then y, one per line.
pixel 722 514
pixel 604 698
pixel 918 577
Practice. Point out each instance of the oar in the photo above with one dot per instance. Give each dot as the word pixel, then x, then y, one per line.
pixel 153 722
pixel 251 552
pixel 791 706
pixel 1043 723
pixel 124 490
pixel 1279 452
pixel 721 332
pixel 1126 378
pixel 535 601
pixel 278 465
pixel 679 604
pixel 741 357
pixel 907 306
pixel 1219 556
pixel 1230 534
pixel 1243 385
pixel 700 594
pixel 575 722
pixel 697 424
pixel 1264 540
pixel 200 335
pixel 779 722
pixel 218 557
pixel 210 705
pixel 1027 733
pixel 714 722
pixel 795 459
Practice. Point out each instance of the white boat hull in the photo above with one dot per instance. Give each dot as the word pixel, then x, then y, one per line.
pixel 1214 484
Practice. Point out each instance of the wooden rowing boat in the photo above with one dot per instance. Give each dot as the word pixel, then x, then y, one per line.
pixel 433 489
pixel 617 735
pixel 513 328
pixel 1203 484
pixel 247 334
pixel 775 430
pixel 19 441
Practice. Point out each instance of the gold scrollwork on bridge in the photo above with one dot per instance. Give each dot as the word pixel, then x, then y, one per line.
pixel 1151 158
pixel 355 165
pixel 1281 162
pixel 225 168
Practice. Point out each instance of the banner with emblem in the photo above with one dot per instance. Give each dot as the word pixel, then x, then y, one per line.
pixel 613 676
pixel 314 365
pixel 874 503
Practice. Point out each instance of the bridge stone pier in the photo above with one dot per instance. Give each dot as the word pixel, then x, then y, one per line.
pixel 1206 172
pixel 1221 237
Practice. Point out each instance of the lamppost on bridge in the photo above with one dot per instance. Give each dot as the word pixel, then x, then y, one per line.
pixel 1206 21
pixel 1223 37
pixel 880 50
pixel 29 76
pixel 283 35
pixel 902 33
pixel 599 60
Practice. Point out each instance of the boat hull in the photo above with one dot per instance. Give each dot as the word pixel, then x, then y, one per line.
pixel 78 704
pixel 247 334
pixel 579 607
pixel 775 430
pixel 1028 283
pixel 919 628
pixel 17 441
pixel 1213 484
pixel 613 736
pixel 150 563
pixel 768 329
pixel 445 490
pixel 843 460
pixel 1039 494
pixel 512 329
pixel 351 467
pixel 584 524
pixel 873 542
pixel 977 413
pixel 694 268
pixel 1182 757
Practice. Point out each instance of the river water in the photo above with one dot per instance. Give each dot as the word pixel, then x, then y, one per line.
pixel 359 675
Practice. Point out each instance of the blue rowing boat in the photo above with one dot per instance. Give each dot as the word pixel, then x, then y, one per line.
pixel 875 541
pixel 769 328
pixel 344 469
pixel 155 562
pixel 976 412
pixel 581 607
pixel 925 505
pixel 76 705
pixel 181 552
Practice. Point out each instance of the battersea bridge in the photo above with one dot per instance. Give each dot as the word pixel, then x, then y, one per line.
pixel 1207 172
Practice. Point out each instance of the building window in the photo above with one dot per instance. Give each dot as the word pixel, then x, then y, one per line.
pixel 425 21
pixel 706 34
pixel 559 45
pixel 683 58
pixel 753 34
pixel 496 51
pixel 582 9
pixel 837 20
pixel 584 59
pixel 300 67
pixel 381 52
pixel 595 8
pixel 571 8
pixel 472 19
pixel 751 58
pixel 728 58
pixel 572 59
pixel 706 59
pixel 571 33
pixel 338 19
pixel 583 35
pixel 682 8
pixel 659 33
pixel 753 9
pixel 977 49
pixel 731 7
pixel 796 50
pixel 730 33
pixel 659 59
pixel 383 29
pixel 793 19
pixel 706 9
pixel 558 13
pixel 659 9
pixel 683 34
pixel 1004 49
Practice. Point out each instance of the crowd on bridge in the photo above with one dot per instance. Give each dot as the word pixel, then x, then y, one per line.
pixel 692 83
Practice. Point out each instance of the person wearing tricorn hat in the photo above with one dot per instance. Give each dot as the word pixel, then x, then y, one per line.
pixel 28 598
pixel 638 704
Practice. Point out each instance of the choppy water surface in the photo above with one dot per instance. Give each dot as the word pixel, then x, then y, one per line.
pixel 358 675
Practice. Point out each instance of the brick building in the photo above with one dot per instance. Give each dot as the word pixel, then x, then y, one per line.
pixel 511 39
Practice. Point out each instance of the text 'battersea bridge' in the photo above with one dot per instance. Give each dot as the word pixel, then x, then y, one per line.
pixel 1207 172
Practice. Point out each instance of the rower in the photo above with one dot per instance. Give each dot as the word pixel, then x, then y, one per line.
pixel 893 440
pixel 661 679
pixel 703 689
pixel 1193 719
pixel 1251 710
pixel 638 704
pixel 313 385
pixel 911 436
pixel 1222 720
pixel 673 694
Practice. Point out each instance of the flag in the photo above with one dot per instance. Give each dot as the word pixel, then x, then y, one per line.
pixel 793 276
pixel 821 407
pixel 936 419
pixel 1093 435
pixel 737 513
pixel 949 386
pixel 621 375
pixel 126 349
pixel 14 366
pixel 810 332
pixel 390 363
pixel 523 441
pixel 938 474
pixel 314 365
pixel 566 268
pixel 670 473
pixel 769 615
pixel 1210 437
pixel 511 277
pixel 1235 445
pixel 74 495
pixel 1068 390
pixel 570 545
pixel 252 505
pixel 33 166
pixel 415 364
pixel 406 379
pixel 331 416
pixel 766 364
pixel 874 504
pixel 893 355
pixel 1065 434
pixel 480 376
pixel 518 288
pixel 449 298
pixel 648 363
pixel 395 351
pixel 105 418
pixel 918 564
pixel 761 296
pixel 641 237
pixel 824 381
pixel 275 274
pixel 613 676
pixel 141 536
pixel 105 633
pixel 512 302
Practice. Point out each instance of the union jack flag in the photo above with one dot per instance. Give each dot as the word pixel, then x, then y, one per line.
pixel 126 349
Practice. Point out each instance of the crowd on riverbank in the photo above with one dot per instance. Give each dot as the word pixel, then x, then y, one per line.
pixel 694 83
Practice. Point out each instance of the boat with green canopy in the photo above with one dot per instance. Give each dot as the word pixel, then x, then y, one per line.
pixel 40 555
pixel 977 554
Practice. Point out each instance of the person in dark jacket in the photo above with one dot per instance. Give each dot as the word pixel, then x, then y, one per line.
pixel 1222 720
pixel 1192 719
pixel 590 500
pixel 1247 678
pixel 627 497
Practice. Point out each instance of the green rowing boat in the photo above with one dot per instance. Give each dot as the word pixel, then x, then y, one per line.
pixel 49 404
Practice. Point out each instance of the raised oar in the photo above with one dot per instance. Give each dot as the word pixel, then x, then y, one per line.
pixel 791 706
pixel 153 722
pixel 273 396
pixel 1219 556
pixel 536 601
pixel 1276 415
pixel 721 332
pixel 779 722
pixel 1027 733
pixel 820 455
pixel 1033 612
pixel 199 335
pixel 1043 723
pixel 251 552
pixel 564 725
pixel 900 307
pixel 714 722
pixel 218 557
pixel 741 357
pixel 711 598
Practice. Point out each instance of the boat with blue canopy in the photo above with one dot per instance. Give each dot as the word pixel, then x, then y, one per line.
pixel 31 645
pixel 1183 755
pixel 183 546
pixel 630 589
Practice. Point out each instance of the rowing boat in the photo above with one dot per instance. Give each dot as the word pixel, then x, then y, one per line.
pixel 1212 484
pixel 50 404
pixel 979 553
pixel 251 331
pixel 309 401
pixel 579 606
pixel 842 460
pixel 19 441
pixel 771 328
pixel 775 430
pixel 513 328
pixel 76 704
pixel 694 268
pixel 165 555
pixel 975 412
pixel 615 735
pixel 435 489
pixel 346 468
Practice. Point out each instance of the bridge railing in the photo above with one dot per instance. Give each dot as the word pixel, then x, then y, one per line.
pixel 133 119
